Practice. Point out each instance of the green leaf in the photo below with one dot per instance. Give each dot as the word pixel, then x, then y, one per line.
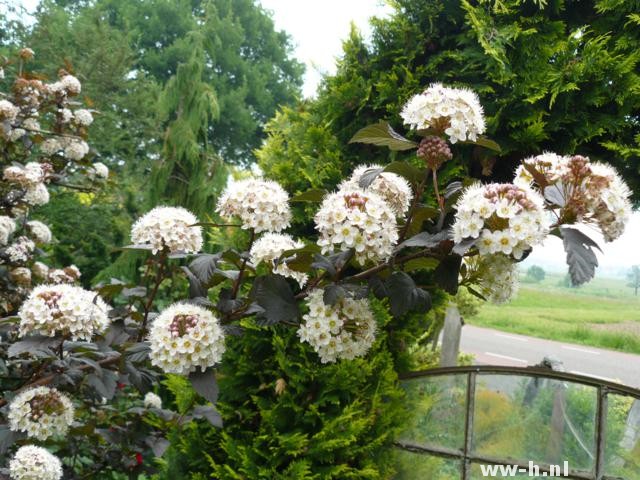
pixel 383 135
pixel 420 214
pixel 581 257
pixel 423 263
pixel 487 143
pixel 314 195
pixel 407 171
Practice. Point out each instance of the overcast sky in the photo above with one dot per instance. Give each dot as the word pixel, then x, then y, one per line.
pixel 318 29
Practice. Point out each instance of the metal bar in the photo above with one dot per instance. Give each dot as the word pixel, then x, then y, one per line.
pixel 612 387
pixel 430 449
pixel 601 426
pixel 468 425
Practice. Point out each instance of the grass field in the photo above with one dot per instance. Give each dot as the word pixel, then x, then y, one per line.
pixel 604 313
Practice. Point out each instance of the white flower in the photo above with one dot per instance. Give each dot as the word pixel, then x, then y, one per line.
pixel 269 247
pixel 168 227
pixel 345 330
pixel 41 412
pixel 20 250
pixel 83 117
pixel 68 274
pixel 7 227
pixel 65 115
pixel 185 337
pixel 40 232
pixel 31 124
pixel 262 205
pixel 101 170
pixel 503 217
pixel 34 463
pixel 50 146
pixel 36 195
pixel 358 219
pixel 151 400
pixel 16 134
pixel 76 150
pixel 498 276
pixel 40 270
pixel 63 310
pixel 70 84
pixel 583 191
pixel 393 189
pixel 8 111
pixel 31 174
pixel 457 112
pixel 21 275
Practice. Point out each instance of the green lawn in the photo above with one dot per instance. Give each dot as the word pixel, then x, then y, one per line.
pixel 604 313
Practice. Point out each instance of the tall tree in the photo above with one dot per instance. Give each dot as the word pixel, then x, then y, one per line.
pixel 560 76
pixel 189 173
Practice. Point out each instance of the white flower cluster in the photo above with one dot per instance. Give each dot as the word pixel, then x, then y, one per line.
pixel 21 276
pixel 345 330
pixel 31 174
pixel 40 232
pixel 151 400
pixel 75 149
pixel 50 146
pixel 262 205
pixel 63 309
pixel 353 218
pixel 7 227
pixel 41 412
pixel 8 111
pixel 34 463
pixel 269 247
pixel 505 218
pixel 454 111
pixel 100 170
pixel 83 117
pixel 40 270
pixel 68 274
pixel 499 276
pixel 168 227
pixel 591 192
pixel 20 250
pixel 67 85
pixel 184 337
pixel 393 189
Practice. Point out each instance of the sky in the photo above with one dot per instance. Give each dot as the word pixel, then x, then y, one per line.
pixel 317 30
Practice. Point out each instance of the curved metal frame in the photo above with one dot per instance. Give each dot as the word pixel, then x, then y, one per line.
pixel 466 457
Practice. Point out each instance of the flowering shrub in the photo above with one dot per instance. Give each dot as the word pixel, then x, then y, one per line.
pixel 386 239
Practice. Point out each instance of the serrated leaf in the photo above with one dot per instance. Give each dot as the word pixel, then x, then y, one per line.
pixel 487 143
pixel 313 195
pixel 581 257
pixel 36 345
pixel 407 171
pixel 464 246
pixel 105 384
pixel 423 263
pixel 446 274
pixel 138 352
pixel 383 135
pixel 209 413
pixel 204 266
pixel 158 445
pixel 196 289
pixel 452 189
pixel 333 294
pixel 404 296
pixel 425 239
pixel 274 295
pixel 205 384
pixel 555 194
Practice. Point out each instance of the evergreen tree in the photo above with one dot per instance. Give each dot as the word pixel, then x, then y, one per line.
pixel 189 173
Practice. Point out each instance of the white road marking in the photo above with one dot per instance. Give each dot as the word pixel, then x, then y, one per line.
pixel 511 337
pixel 583 350
pixel 505 357
pixel 594 376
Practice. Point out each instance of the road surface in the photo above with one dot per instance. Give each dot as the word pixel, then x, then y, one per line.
pixel 492 347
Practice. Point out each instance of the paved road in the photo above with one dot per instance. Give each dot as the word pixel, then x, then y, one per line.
pixel 493 347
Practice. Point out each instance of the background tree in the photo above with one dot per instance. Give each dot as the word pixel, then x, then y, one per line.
pixel 634 278
pixel 535 274
pixel 555 76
